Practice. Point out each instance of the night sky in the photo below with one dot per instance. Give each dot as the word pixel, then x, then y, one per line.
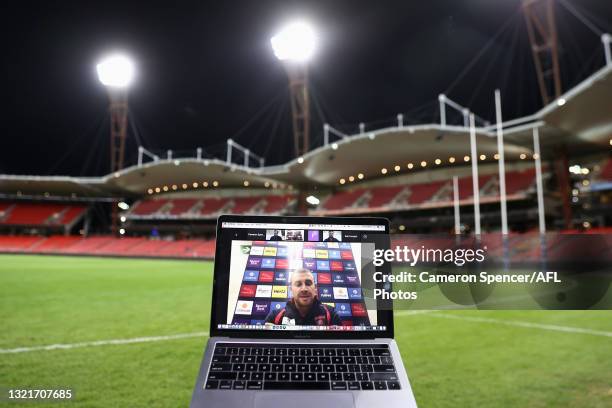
pixel 206 72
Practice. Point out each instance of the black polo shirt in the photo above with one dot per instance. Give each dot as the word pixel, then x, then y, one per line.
pixel 316 316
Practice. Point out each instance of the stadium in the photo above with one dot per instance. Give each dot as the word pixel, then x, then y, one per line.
pixel 107 279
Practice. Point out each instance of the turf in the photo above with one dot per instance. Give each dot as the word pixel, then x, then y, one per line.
pixel 452 361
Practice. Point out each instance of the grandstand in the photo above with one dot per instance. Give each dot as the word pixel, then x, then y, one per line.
pixel 419 175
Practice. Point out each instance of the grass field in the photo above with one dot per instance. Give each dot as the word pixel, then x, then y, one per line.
pixel 454 359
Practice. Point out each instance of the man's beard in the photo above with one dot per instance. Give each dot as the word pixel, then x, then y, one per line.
pixel 305 301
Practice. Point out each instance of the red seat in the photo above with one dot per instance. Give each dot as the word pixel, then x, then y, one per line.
pixel 212 205
pixel 342 199
pixel 148 207
pixel 244 204
pixel 420 193
pixel 277 203
pixel 182 205
pixel 382 196
pixel 33 213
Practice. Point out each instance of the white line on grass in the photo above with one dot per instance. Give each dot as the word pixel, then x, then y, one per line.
pixel 141 339
pixel 518 323
pixel 434 313
pixel 104 343
pixel 412 312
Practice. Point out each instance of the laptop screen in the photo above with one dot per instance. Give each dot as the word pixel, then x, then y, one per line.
pixel 297 276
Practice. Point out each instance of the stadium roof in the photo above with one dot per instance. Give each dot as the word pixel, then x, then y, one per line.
pixel 580 119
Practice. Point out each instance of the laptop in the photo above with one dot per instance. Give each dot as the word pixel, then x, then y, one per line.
pixel 294 322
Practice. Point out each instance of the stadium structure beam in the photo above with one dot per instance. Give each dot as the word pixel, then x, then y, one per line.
pixel 539 186
pixel 142 152
pixel 118 110
pixel 456 204
pixel 300 107
pixel 563 179
pixel 116 73
pixel 465 112
pixel 294 45
pixel 118 129
pixel 246 153
pixel 502 163
pixel 475 187
pixel 606 39
pixel 541 27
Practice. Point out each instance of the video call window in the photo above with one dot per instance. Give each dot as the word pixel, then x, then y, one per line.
pixel 275 235
pixel 284 235
pixel 332 236
pixel 265 277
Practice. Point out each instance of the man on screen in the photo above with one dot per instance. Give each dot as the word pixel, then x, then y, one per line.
pixel 276 236
pixel 304 309
pixel 330 237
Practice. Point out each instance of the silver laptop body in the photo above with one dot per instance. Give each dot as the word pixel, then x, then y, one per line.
pixel 229 374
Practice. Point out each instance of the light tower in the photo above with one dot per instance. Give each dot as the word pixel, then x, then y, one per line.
pixel 542 30
pixel 294 45
pixel 116 73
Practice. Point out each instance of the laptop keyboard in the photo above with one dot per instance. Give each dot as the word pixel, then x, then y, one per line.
pixel 355 367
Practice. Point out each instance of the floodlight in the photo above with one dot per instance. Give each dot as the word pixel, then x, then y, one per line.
pixel 116 71
pixel 312 200
pixel 295 42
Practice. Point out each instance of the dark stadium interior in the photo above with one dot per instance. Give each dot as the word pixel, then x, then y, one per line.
pixel 193 91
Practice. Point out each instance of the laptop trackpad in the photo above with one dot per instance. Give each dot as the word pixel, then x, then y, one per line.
pixel 298 399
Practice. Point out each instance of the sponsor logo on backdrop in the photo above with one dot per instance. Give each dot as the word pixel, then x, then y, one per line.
pixel 268 263
pixel 247 291
pixel 261 308
pixel 250 276
pixel 266 276
pixel 310 264
pixel 276 306
pixel 324 279
pixel 264 291
pixel 340 293
pixel 257 250
pixel 321 254
pixel 325 293
pixel 279 291
pixel 244 307
pixel 358 309
pixel 352 279
pixel 334 254
pixel 308 253
pixel 282 264
pixel 338 278
pixel 280 277
pixel 355 293
pixel 254 262
pixel 343 309
pixel 269 251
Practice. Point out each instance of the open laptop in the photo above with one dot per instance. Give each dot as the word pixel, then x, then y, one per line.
pixel 293 323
